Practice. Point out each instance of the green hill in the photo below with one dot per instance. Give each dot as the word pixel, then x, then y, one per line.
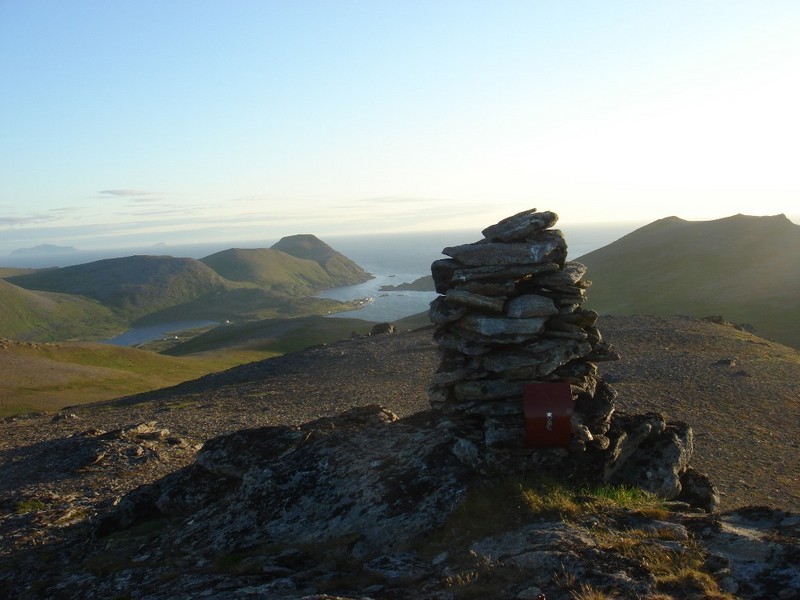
pixel 298 265
pixel 341 270
pixel 247 304
pixel 272 270
pixel 29 315
pixel 132 286
pixel 744 268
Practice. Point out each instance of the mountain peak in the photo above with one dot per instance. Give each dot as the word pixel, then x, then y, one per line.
pixel 310 247
pixel 304 245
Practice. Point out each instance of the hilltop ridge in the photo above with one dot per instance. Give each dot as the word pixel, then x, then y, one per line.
pixel 134 285
pixel 742 267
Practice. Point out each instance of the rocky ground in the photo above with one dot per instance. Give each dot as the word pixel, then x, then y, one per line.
pixel 62 472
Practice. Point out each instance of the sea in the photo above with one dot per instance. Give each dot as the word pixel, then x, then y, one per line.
pixel 392 259
pixel 403 258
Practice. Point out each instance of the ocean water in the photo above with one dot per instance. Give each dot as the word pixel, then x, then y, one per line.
pixel 401 258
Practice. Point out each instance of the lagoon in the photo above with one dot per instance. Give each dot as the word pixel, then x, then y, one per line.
pixel 140 335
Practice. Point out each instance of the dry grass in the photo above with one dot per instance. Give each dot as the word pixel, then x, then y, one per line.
pixel 512 502
pixel 678 570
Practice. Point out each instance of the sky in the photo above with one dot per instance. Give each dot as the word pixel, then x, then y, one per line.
pixel 135 122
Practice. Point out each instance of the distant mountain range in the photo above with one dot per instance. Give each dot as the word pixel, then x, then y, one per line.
pixel 89 299
pixel 743 268
pixel 43 249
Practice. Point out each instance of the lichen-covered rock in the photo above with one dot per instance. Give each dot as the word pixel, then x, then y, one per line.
pixel 698 490
pixel 360 475
pixel 548 246
pixel 658 461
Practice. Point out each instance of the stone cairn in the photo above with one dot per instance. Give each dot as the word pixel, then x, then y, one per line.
pixel 510 313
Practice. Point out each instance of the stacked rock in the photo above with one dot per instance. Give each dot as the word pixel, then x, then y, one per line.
pixel 509 314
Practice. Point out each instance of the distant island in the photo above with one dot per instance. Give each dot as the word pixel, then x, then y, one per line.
pixel 423 284
pixel 43 249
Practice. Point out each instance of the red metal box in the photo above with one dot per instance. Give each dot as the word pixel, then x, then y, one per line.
pixel 548 414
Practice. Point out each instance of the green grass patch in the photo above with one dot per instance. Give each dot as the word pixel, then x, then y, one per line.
pixel 743 268
pixel 48 377
pixel 508 503
pixel 26 506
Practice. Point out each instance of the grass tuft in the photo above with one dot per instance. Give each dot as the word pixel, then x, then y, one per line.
pixel 26 506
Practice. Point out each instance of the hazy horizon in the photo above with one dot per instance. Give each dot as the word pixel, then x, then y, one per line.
pixel 581 238
pixel 128 124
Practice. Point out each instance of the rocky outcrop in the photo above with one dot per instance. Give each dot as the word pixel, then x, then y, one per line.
pixel 349 477
pixel 380 328
pixel 510 316
pixel 364 505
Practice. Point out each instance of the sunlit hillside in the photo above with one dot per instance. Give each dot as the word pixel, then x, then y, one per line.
pixel 46 377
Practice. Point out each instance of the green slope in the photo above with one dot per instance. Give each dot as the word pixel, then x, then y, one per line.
pixel 244 304
pixel 28 315
pixel 272 270
pixel 131 286
pixel 104 296
pixel 9 271
pixel 746 269
pixel 341 269
pixel 36 377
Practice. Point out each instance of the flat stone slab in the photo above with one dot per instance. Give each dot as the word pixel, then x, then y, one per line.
pixel 549 246
pixel 490 326
pixel 520 226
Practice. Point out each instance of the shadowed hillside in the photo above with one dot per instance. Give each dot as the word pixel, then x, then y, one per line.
pixel 273 335
pixel 133 285
pixel 746 269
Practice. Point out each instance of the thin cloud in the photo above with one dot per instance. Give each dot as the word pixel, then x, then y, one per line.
pixel 401 200
pixel 163 211
pixel 148 200
pixel 124 193
pixel 66 209
pixel 20 221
